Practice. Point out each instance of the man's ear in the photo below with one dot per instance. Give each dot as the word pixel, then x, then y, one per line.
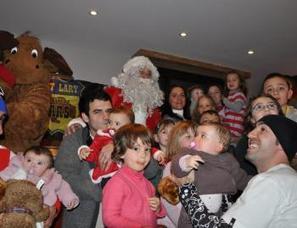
pixel 85 117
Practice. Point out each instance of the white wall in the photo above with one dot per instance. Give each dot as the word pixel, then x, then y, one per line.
pixel 100 64
pixel 97 65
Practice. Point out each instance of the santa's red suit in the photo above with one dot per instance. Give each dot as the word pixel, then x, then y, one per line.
pixel 117 101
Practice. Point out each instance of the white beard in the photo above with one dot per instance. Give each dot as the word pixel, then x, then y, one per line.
pixel 144 94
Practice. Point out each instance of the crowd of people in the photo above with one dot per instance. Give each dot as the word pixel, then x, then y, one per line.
pixel 227 158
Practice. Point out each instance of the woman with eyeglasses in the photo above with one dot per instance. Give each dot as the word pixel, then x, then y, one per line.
pixel 259 107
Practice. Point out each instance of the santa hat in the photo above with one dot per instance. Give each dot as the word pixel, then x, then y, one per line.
pixel 133 66
pixel 285 131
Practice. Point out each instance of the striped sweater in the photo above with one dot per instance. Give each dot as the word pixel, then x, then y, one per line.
pixel 234 112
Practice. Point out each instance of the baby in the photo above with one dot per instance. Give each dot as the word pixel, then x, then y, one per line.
pixel 220 173
pixel 36 165
pixel 118 118
pixel 209 116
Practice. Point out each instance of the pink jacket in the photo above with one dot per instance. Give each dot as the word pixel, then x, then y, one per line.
pixel 125 201
pixel 55 188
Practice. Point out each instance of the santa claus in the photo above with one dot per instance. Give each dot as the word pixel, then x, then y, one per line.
pixel 137 88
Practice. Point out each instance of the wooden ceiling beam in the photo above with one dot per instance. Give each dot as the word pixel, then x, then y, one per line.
pixel 193 66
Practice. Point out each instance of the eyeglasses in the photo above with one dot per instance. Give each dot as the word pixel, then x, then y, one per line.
pixel 262 107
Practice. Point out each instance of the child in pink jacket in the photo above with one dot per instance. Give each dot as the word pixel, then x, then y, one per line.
pixel 128 197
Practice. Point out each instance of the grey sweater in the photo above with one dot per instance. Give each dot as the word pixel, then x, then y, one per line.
pixel 219 174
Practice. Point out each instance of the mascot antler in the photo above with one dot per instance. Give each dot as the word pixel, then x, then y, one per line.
pixel 7 41
pixel 58 62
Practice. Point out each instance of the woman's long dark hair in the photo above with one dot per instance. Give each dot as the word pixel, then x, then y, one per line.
pixel 166 107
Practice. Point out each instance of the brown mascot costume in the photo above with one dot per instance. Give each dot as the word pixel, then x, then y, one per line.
pixel 21 205
pixel 24 76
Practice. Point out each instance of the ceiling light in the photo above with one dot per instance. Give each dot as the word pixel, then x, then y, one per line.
pixel 93 12
pixel 251 52
pixel 183 34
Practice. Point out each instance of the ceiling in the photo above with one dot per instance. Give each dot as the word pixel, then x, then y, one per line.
pixel 219 31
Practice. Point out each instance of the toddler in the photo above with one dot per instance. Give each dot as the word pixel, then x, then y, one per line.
pixel 209 116
pixel 280 87
pixel 181 136
pixel 234 105
pixel 36 165
pixel 204 103
pixel 162 133
pixel 220 172
pixel 118 118
pixel 128 197
pixel 195 92
pixel 215 92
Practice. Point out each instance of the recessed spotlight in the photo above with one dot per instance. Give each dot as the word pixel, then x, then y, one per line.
pixel 183 34
pixel 251 52
pixel 93 12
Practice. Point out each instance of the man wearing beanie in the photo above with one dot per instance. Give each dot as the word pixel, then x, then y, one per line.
pixel 270 198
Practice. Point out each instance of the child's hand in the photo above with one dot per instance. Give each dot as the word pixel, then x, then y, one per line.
pixel 72 204
pixel 84 153
pixel 154 203
pixel 192 162
pixel 161 158
pixel 72 129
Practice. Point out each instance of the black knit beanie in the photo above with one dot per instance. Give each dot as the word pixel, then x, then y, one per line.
pixel 285 131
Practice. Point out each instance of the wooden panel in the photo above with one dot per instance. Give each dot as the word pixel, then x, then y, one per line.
pixel 189 65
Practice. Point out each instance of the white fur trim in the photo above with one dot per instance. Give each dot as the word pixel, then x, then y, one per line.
pixel 81 147
pixel 140 62
pixel 97 181
pixel 107 134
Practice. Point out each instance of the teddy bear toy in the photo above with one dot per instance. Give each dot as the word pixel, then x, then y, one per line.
pixel 24 76
pixel 168 187
pixel 21 204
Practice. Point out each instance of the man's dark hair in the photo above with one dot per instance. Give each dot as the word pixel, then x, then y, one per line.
pixel 89 94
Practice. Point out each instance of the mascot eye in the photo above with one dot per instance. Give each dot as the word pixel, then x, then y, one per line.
pixel 14 50
pixel 34 53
